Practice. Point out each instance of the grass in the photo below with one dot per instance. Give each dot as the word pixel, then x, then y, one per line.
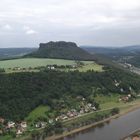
pixel 106 107
pixel 124 107
pixel 93 66
pixel 36 62
pixel 108 101
pixel 37 113
pixel 6 137
pixel 26 63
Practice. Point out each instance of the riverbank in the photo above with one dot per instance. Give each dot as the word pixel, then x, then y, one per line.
pixel 124 110
pixel 132 135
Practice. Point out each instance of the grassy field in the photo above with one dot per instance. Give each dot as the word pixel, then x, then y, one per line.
pixel 38 112
pixel 124 108
pixel 7 137
pixel 38 62
pixel 92 66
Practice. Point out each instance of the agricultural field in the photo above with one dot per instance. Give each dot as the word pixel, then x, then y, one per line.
pixel 93 66
pixel 40 62
pixel 34 62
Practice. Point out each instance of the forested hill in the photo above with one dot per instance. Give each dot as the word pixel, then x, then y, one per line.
pixel 127 54
pixel 20 93
pixel 7 53
pixel 61 49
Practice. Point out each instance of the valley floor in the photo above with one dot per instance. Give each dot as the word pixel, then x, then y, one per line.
pixel 124 109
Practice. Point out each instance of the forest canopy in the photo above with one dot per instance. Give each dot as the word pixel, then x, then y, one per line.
pixel 20 93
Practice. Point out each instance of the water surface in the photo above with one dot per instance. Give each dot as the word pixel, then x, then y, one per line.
pixel 116 129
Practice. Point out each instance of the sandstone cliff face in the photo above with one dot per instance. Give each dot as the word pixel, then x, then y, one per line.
pixel 57 44
pixel 61 50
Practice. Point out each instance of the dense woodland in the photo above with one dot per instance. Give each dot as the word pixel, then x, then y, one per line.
pixel 8 53
pixel 20 93
pixel 128 54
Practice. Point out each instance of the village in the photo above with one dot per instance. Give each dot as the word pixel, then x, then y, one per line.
pixel 19 128
pixel 85 107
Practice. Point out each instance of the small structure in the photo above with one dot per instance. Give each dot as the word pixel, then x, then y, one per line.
pixel 125 98
pixel 1 132
pixel 23 124
pixel 51 67
pixel 136 138
pixel 2 120
pixel 19 131
pixel 11 124
pixel 40 125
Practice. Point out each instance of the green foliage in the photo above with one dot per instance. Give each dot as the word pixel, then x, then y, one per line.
pixel 36 62
pixel 115 111
pixel 38 113
pixel 20 93
pixel 56 128
pixel 86 120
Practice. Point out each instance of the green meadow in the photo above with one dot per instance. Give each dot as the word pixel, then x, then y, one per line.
pixel 39 62
pixel 38 112
pixel 36 62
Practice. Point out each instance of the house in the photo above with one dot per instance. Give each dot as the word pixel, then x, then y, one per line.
pixel 64 117
pixel 89 104
pixel 23 124
pixel 19 131
pixel 94 108
pixel 125 98
pixel 129 95
pixel 82 111
pixel 74 66
pixel 57 119
pixel 1 120
pixel 1 132
pixel 51 67
pixel 43 124
pixel 122 90
pixel 11 124
pixel 83 99
pixel 116 83
pixel 136 138
pixel 40 125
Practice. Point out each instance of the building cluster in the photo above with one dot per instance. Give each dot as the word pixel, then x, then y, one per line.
pixel 9 126
pixel 125 98
pixel 75 113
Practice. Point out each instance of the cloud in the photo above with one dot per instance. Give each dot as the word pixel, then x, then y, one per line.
pixel 29 31
pixel 7 27
pixel 73 19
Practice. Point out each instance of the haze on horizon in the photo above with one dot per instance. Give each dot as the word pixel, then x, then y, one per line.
pixel 26 23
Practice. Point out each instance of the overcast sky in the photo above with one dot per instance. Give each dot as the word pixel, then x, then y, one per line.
pixel 26 23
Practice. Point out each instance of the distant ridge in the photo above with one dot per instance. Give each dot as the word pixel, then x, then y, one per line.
pixel 61 50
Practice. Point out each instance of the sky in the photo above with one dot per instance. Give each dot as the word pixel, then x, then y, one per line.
pixel 26 23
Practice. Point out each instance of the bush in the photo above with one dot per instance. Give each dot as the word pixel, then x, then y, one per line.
pixel 115 111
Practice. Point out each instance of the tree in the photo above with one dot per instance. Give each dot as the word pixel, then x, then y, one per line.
pixel 115 111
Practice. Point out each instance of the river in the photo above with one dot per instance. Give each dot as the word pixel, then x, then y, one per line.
pixel 116 129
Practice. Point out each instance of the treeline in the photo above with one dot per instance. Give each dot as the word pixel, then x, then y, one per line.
pixel 20 93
